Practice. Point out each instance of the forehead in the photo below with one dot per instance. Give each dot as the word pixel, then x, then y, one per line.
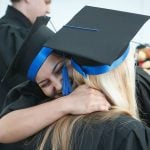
pixel 53 58
pixel 49 64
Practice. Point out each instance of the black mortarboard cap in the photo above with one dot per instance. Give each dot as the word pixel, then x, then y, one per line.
pixel 32 45
pixel 97 36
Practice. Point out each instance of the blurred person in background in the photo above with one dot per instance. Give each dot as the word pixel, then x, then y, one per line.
pixel 14 26
pixel 143 57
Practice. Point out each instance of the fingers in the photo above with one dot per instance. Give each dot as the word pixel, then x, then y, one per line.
pixel 98 100
pixel 88 100
pixel 100 104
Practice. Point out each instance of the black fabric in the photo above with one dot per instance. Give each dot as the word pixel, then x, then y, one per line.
pixel 25 95
pixel 5 87
pixel 37 36
pixel 30 48
pixel 97 36
pixel 14 27
pixel 122 133
pixel 143 94
pixel 22 96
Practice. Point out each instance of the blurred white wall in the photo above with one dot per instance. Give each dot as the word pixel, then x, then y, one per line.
pixel 63 10
pixel 3 6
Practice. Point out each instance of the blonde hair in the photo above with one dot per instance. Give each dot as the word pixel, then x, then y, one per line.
pixel 118 86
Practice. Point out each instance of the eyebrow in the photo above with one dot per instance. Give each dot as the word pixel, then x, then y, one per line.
pixel 57 65
pixel 54 68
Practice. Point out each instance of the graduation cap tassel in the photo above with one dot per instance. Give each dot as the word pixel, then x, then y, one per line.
pixel 66 85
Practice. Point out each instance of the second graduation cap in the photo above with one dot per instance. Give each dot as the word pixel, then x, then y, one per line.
pixel 97 37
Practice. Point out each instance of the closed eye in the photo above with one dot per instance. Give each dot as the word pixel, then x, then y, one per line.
pixel 58 68
pixel 45 83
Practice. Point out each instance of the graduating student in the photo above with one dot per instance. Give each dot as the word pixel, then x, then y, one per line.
pixel 101 58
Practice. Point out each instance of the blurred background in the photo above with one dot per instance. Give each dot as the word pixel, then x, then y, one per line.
pixel 63 10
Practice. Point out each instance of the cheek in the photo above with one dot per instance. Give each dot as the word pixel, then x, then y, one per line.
pixel 48 91
pixel 44 7
pixel 39 10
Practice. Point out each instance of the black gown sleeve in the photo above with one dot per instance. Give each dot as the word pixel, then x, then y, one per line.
pixel 24 95
pixel 122 133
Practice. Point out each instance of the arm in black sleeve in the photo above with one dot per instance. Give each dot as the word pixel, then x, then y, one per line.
pixel 24 95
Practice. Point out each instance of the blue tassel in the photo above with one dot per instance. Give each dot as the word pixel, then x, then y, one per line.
pixel 66 85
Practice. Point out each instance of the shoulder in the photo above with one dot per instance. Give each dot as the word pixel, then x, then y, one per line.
pixel 123 125
pixel 24 95
pixel 108 135
pixel 124 130
pixel 8 29
pixel 120 126
pixel 10 26
pixel 27 88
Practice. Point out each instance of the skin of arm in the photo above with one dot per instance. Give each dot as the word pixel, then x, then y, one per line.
pixel 20 124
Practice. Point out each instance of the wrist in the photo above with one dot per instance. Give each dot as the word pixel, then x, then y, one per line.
pixel 65 105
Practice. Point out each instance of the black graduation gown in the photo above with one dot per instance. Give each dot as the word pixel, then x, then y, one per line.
pixel 14 27
pixel 143 94
pixel 26 94
pixel 122 133
pixel 31 95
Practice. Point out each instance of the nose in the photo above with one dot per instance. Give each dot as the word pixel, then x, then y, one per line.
pixel 56 81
